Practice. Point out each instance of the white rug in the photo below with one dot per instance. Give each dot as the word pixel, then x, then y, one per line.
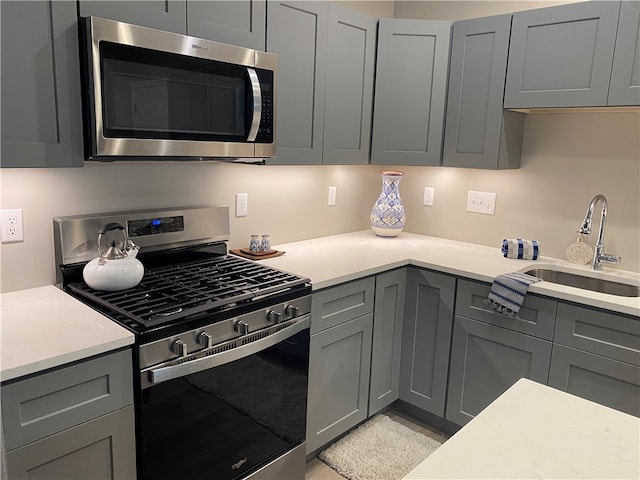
pixel 380 449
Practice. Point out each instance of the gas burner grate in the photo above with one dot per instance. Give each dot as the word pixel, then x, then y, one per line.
pixel 173 292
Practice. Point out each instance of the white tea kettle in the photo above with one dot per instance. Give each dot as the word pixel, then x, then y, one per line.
pixel 117 268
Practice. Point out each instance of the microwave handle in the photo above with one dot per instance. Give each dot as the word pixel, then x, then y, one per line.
pixel 257 105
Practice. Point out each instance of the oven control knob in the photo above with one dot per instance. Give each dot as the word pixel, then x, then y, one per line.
pixel 274 317
pixel 241 327
pixel 292 311
pixel 179 348
pixel 205 339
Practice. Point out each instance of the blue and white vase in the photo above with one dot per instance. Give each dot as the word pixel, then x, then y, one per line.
pixel 387 215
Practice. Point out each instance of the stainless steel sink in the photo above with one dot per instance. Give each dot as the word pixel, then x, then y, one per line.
pixel 588 283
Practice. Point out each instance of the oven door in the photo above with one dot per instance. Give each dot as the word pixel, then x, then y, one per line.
pixel 230 414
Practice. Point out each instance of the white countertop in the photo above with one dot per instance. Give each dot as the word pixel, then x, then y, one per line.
pixel 336 259
pixel 45 327
pixel 534 431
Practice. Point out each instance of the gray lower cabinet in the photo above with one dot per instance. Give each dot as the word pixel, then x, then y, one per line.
pixel 242 23
pixel 485 361
pixel 100 449
pixel 72 422
pixel 410 92
pixel 41 105
pixel 426 338
pixel 624 88
pixel 387 339
pixel 339 363
pixel 562 56
pixel 596 355
pixel 168 15
pixel 325 82
pixel 480 133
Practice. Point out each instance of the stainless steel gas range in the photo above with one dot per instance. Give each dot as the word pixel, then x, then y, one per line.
pixel 222 345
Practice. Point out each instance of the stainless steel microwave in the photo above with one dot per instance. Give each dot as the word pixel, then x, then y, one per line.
pixel 150 94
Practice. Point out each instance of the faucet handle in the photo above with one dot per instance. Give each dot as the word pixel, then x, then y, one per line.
pixel 605 257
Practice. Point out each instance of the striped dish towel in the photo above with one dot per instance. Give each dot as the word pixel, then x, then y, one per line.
pixel 520 249
pixel 508 291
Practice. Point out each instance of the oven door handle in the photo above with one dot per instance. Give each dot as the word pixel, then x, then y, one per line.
pixel 162 374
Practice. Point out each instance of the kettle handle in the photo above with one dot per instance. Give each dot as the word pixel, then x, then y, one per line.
pixel 108 228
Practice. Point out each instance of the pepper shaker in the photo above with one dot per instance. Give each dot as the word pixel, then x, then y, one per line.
pixel 254 244
pixel 265 246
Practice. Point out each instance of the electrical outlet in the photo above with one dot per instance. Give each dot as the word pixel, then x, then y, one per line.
pixel 11 224
pixel 481 202
pixel 331 196
pixel 242 204
pixel 427 200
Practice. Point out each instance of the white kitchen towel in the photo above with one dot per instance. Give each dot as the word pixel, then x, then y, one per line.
pixel 520 249
pixel 508 292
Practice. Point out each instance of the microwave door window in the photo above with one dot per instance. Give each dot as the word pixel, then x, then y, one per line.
pixel 168 96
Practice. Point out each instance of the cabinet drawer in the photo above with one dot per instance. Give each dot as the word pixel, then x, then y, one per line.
pixel 336 305
pixel 40 406
pixel 536 316
pixel 598 331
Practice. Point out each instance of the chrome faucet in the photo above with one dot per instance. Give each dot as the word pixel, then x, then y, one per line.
pixel 598 256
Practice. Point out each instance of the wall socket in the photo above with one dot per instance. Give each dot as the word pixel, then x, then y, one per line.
pixel 11 225
pixel 427 200
pixel 242 204
pixel 481 202
pixel 331 197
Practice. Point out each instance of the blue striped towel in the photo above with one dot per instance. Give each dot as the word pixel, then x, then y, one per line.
pixel 520 249
pixel 508 291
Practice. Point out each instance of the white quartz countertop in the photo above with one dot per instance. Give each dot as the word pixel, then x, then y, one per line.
pixel 45 327
pixel 336 259
pixel 534 431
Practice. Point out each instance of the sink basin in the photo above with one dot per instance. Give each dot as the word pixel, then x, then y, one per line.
pixel 588 283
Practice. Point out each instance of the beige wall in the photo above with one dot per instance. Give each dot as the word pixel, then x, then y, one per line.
pixel 567 159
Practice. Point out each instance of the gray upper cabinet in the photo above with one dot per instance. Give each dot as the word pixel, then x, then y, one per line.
pixel 410 92
pixel 297 32
pixel 241 23
pixel 480 133
pixel 349 84
pixel 625 75
pixel 562 56
pixel 168 15
pixel 325 82
pixel 41 105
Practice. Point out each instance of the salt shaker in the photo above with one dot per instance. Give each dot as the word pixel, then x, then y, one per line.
pixel 254 244
pixel 265 246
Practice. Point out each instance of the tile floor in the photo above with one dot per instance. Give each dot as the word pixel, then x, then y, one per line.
pixel 317 470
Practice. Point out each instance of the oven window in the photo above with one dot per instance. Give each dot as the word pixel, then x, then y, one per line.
pixel 225 422
pixel 158 95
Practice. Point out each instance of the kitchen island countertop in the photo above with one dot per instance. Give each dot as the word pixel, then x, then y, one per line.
pixel 332 260
pixel 534 431
pixel 45 327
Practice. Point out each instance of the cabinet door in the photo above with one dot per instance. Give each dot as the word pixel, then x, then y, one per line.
pixel 486 361
pixel 41 105
pixel 387 339
pixel 297 32
pixel 411 82
pixel 349 86
pixel 241 23
pixel 561 56
pixel 339 362
pixel 426 337
pixel 168 15
pixel 102 449
pixel 599 379
pixel 480 133
pixel 625 75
